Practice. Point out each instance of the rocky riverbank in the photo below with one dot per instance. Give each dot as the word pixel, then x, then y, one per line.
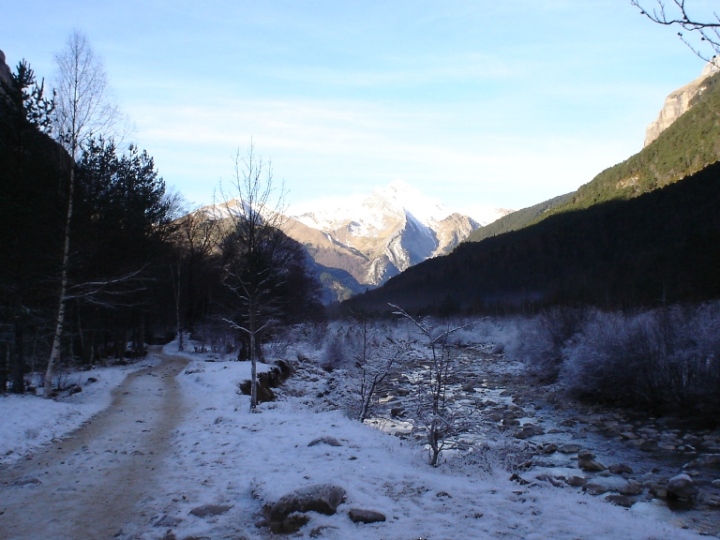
pixel 652 465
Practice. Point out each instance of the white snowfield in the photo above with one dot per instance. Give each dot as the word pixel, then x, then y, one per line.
pixel 221 454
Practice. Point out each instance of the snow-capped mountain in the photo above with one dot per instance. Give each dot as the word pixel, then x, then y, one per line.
pixel 378 236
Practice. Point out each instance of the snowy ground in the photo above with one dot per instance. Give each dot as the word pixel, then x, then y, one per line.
pixel 221 454
pixel 29 422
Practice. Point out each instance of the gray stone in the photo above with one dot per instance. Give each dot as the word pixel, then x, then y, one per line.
pixel 590 465
pixel 26 481
pixel 620 468
pixel 576 481
pixel 167 521
pixel 569 448
pixel 681 487
pixel 321 498
pixel 359 515
pixel 290 524
pixel 210 510
pixel 620 500
pixel 330 441
pixel 529 430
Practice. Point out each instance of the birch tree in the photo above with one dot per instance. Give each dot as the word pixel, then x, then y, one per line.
pixel 82 108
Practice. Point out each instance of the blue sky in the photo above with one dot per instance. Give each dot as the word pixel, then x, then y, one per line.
pixel 502 103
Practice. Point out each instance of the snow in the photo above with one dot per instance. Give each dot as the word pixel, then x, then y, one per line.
pixel 223 454
pixel 29 421
pixel 371 211
pixel 396 198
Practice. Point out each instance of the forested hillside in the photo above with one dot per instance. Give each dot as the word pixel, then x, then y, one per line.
pixel 95 258
pixel 690 144
pixel 660 247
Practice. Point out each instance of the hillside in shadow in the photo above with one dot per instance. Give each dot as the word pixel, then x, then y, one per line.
pixel 660 247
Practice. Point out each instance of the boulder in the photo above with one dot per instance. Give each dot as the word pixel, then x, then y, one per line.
pixel 210 510
pixel 620 468
pixel 321 498
pixel 681 487
pixel 590 465
pixel 359 515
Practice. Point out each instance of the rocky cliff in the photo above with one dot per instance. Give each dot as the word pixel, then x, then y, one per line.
pixel 679 101
pixel 5 72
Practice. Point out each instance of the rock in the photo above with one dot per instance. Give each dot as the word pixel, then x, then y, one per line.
pixel 167 521
pixel 648 446
pixel 519 479
pixel 659 491
pixel 169 535
pixel 569 448
pixel 620 468
pixel 603 484
pixel 550 448
pixel 321 498
pixel 704 461
pixel 358 515
pixel 210 510
pixel 620 500
pixel 576 481
pixel 397 412
pixel 586 455
pixel 26 481
pixel 678 102
pixel 632 488
pixel 556 482
pixel 590 465
pixel 5 71
pixel 529 430
pixel 319 532
pixel 330 441
pixel 290 524
pixel 681 487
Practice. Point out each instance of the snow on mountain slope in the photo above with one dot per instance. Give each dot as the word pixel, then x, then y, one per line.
pixel 369 239
pixel 393 228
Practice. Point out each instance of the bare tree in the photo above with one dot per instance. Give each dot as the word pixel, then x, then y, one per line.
pixel 437 415
pixel 195 237
pixel 81 108
pixel 376 361
pixel 704 27
pixel 252 253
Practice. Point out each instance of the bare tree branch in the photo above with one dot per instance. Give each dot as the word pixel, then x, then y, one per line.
pixel 707 28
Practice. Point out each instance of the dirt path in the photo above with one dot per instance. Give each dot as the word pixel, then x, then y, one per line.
pixel 92 484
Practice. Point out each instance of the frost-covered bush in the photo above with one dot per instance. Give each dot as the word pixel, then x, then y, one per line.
pixel 543 337
pixel 340 348
pixel 665 360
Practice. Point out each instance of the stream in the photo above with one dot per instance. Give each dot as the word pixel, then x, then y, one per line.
pixel 625 457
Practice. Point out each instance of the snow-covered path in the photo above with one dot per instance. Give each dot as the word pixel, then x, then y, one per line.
pixel 92 483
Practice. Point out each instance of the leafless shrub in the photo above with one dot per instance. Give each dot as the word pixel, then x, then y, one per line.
pixel 546 335
pixel 666 360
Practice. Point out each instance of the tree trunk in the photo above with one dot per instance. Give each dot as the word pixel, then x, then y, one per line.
pixel 60 318
pixel 18 361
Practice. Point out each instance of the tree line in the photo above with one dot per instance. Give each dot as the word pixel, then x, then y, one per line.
pixel 97 259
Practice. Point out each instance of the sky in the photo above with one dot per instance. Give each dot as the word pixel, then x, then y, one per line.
pixel 475 103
